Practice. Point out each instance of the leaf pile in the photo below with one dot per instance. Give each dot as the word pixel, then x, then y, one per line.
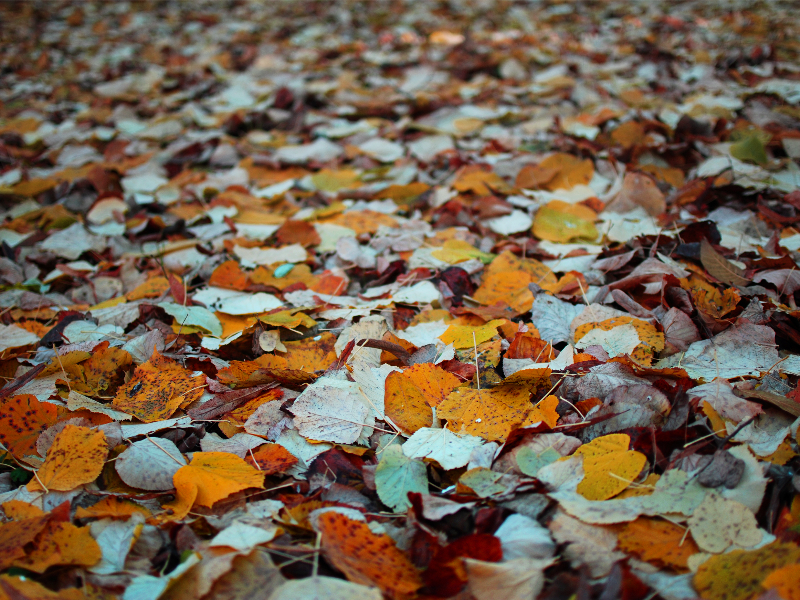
pixel 489 300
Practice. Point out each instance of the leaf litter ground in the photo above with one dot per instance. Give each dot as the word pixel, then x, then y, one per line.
pixel 482 300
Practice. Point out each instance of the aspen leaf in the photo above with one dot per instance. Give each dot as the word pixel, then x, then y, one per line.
pixel 461 336
pixel 451 450
pixel 557 171
pixel 210 477
pixel 150 464
pixel 367 558
pixel 61 544
pixel 609 466
pixel 411 393
pixel 14 535
pixel 76 457
pixel 719 523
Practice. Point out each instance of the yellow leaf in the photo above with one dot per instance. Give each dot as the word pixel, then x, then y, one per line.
pixel 76 457
pixel 461 335
pixel 609 466
pixel 333 181
pixel 562 222
pixel 737 575
pixel 457 251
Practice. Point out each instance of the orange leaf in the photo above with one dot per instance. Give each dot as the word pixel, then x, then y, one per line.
pixel 311 354
pixel 22 419
pixel 658 541
pixel 111 507
pixel 104 368
pixel 544 411
pixel 557 171
pixel 363 221
pixel 210 477
pixel 271 459
pixel 367 558
pixel 506 280
pixel 152 288
pixel 241 374
pixel 474 179
pixel 229 275
pixel 16 534
pixel 785 582
pixel 411 393
pixel 157 389
pixel 297 232
pixel 61 544
pixel 490 414
pixel 76 457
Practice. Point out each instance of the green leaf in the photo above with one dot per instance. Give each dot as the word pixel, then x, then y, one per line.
pixel 750 148
pixel 397 475
pixel 529 462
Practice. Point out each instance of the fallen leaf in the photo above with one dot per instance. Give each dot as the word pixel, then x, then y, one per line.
pixel 397 475
pixel 411 394
pixel 150 464
pixel 76 457
pixel 157 389
pixel 737 575
pixel 658 541
pixel 609 466
pixel 210 477
pixel 367 558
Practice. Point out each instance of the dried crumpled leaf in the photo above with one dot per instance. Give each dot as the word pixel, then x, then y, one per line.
pixel 157 389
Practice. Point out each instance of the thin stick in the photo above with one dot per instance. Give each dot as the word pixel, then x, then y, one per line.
pixel 60 364
pixel 315 567
pixel 477 368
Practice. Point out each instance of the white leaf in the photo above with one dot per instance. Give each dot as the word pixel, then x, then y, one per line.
pixel 517 579
pixel 552 317
pixel 13 336
pixel 239 444
pixel 330 414
pixel 149 464
pixel 451 450
pixel 324 588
